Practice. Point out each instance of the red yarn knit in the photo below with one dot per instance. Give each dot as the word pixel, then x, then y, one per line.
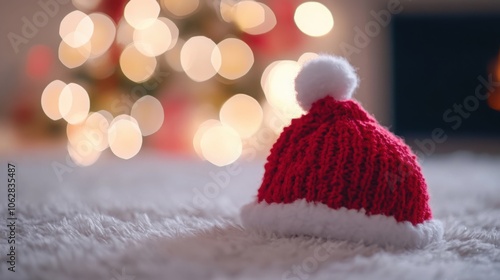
pixel 338 155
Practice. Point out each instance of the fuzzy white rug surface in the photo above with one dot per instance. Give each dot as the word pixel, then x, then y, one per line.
pixel 168 218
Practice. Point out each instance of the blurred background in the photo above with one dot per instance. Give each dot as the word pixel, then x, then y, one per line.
pixel 214 79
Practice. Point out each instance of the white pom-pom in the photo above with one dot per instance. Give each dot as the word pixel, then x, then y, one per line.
pixel 325 76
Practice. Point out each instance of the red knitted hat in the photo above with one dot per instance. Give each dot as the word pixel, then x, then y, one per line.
pixel 336 173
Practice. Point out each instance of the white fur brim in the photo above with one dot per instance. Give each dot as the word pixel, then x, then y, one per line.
pixel 317 219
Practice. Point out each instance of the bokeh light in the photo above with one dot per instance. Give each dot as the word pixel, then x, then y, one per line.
pixel 174 31
pixel 135 65
pixel 313 19
pixel 76 29
pixel 87 139
pixel 124 33
pixel 202 128
pixel 104 34
pixel 181 8
pixel 141 13
pixel 200 58
pixel 221 145
pixel 148 112
pixel 237 58
pixel 278 85
pixel 305 57
pixel 96 130
pixel 251 17
pixel 74 103
pixel 124 137
pixel 124 117
pixel 93 131
pixel 265 74
pixel 226 10
pixel 73 57
pixel 154 39
pixel 50 99
pixel 265 26
pixel 75 133
pixel 273 119
pixel 243 113
pixel 248 14
pixel 87 5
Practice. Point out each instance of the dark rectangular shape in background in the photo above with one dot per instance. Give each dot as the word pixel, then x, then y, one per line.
pixel 438 63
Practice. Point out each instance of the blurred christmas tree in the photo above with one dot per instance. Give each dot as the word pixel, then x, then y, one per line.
pixel 186 73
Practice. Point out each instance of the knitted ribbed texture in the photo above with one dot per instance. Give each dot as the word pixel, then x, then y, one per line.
pixel 338 155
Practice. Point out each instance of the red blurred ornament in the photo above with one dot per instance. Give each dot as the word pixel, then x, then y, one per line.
pixel 114 9
pixel 39 62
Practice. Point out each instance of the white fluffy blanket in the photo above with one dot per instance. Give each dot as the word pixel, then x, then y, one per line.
pixel 167 218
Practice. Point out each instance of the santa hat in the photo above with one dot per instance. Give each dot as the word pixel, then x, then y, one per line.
pixel 336 173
